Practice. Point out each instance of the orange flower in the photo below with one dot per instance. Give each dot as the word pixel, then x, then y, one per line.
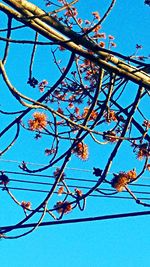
pixel 132 174
pixel 93 114
pixel 143 151
pixel 120 180
pixel 42 85
pixel 39 121
pixel 146 124
pixel 56 174
pixel 60 110
pixel 80 21
pixel 111 37
pixel 71 105
pixel 81 151
pixel 50 151
pixel 63 207
pixel 96 15
pixel 77 110
pixel 110 136
pixel 110 116
pixel 26 205
pixel 60 190
pixel 100 35
pixel 148 167
pixel 102 44
pixel 113 44
pixel 97 28
pixel 78 192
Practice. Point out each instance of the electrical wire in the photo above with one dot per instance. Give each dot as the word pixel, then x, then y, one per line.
pixel 92 195
pixel 76 186
pixel 79 220
pixel 108 190
pixel 67 168
pixel 101 194
pixel 66 178
pixel 50 176
pixel 40 164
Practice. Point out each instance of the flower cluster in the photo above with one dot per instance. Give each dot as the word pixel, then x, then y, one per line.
pixel 96 15
pixel 50 151
pixel 60 190
pixel 63 207
pixel 56 174
pixel 110 116
pixel 81 151
pixel 148 167
pixel 42 85
pixel 26 205
pixel 78 192
pixel 93 114
pixel 146 123
pixel 120 180
pixel 39 121
pixel 143 151
pixel 110 136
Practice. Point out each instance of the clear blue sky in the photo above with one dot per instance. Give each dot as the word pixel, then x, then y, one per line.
pixel 111 243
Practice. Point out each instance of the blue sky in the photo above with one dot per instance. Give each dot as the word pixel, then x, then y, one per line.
pixel 117 242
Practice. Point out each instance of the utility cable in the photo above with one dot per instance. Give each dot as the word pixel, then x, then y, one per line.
pixel 79 220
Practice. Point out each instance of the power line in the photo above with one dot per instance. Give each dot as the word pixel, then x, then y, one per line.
pixel 50 176
pixel 66 178
pixel 40 164
pixel 92 195
pixel 77 186
pixel 79 220
pixel 108 190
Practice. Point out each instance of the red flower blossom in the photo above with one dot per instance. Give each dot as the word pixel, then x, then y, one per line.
pixel 78 192
pixel 111 37
pixel 110 136
pixel 143 151
pixel 60 110
pixel 110 116
pixel 81 151
pixel 63 207
pixel 120 180
pixel 50 151
pixel 77 110
pixel 56 174
pixel 148 167
pixel 146 123
pixel 113 44
pixel 26 205
pixel 60 190
pixel 39 121
pixel 96 15
pixel 102 44
pixel 97 28
pixel 92 116
pixel 42 85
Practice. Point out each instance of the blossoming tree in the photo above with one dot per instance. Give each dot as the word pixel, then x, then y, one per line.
pixel 86 105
